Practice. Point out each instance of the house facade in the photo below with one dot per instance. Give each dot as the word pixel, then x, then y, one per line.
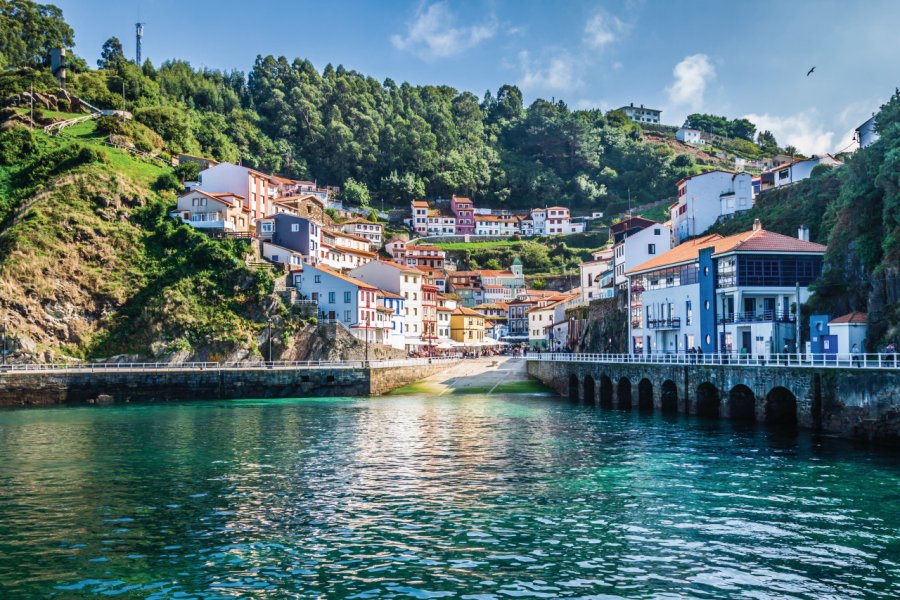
pixel 597 276
pixel 342 298
pixel 467 327
pixel 865 134
pixel 402 280
pixel 795 171
pixel 735 294
pixel 464 211
pixel 687 135
pixel 297 234
pixel 419 209
pixel 703 199
pixel 640 114
pixel 213 211
pixel 258 190
pixel 366 229
pixel 636 240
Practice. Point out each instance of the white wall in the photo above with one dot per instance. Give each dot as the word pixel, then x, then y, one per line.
pixel 635 249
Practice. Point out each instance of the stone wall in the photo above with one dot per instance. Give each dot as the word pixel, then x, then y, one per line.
pixel 846 402
pixel 107 387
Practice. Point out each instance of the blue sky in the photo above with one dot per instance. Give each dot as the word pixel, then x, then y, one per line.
pixel 746 59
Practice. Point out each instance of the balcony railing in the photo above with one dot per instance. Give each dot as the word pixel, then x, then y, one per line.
pixel 673 323
pixel 759 316
pixel 838 361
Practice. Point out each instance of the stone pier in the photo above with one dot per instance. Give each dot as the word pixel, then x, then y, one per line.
pixel 853 403
pixel 133 385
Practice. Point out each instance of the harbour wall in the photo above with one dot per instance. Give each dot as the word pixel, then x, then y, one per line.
pixel 170 384
pixel 853 403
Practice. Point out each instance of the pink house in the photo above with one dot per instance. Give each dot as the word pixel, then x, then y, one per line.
pixel 464 210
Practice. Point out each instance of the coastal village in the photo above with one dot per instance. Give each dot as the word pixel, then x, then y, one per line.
pixel 387 280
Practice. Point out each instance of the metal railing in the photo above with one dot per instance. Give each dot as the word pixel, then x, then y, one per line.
pixel 219 366
pixel 761 316
pixel 671 323
pixel 842 361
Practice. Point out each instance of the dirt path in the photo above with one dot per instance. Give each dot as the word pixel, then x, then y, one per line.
pixel 494 375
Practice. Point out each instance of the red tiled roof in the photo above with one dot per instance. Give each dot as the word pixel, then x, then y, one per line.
pixel 420 204
pixel 853 317
pixel 462 310
pixel 758 240
pixel 388 294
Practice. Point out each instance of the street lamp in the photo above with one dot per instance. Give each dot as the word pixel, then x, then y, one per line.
pixel 367 338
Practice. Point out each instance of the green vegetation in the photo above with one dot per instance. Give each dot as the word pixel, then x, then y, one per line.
pixel 88 250
pixel 721 126
pixel 855 210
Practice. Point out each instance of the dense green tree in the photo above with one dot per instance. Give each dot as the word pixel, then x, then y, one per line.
pixel 355 192
pixel 766 141
pixel 111 54
pixel 29 31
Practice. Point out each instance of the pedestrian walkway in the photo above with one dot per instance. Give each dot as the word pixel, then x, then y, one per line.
pixel 488 375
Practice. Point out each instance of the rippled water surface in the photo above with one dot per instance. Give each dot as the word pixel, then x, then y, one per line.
pixel 416 497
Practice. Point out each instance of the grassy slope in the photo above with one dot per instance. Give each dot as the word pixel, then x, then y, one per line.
pixel 90 255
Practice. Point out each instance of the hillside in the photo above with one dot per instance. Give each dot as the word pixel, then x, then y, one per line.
pixel 855 210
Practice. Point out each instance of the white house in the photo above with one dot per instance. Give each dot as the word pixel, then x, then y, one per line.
pixel 597 280
pixel 636 240
pixel 793 172
pixel 541 319
pixel 554 220
pixel 342 298
pixel 364 228
pixel 641 114
pixel 865 134
pixel 850 330
pixel 734 294
pixel 419 223
pixel 703 199
pixel 396 304
pixel 402 280
pixel 496 225
pixel 690 136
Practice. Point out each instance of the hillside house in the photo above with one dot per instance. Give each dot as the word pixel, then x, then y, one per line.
pixel 704 199
pixel 213 211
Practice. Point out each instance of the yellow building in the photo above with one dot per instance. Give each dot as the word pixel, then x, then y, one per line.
pixel 466 326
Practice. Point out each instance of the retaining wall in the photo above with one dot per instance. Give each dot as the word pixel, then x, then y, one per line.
pixel 107 387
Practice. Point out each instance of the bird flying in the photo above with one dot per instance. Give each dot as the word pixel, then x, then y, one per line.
pixel 810 72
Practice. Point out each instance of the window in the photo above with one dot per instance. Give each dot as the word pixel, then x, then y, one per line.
pixel 784 174
pixel 688 313
pixel 318 279
pixel 346 297
pixel 347 315
pixel 656 231
pixel 295 227
pixel 651 248
pixel 330 297
pixel 266 226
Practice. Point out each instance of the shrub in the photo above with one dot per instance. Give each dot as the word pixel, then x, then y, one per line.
pixel 167 181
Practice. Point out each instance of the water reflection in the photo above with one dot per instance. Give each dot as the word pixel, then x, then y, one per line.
pixel 470 497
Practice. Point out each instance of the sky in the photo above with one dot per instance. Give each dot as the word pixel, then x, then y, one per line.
pixel 735 59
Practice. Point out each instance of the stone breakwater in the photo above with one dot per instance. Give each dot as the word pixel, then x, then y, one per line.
pixel 851 403
pixel 108 387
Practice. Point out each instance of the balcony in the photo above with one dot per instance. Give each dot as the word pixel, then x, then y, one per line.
pixel 761 316
pixel 673 323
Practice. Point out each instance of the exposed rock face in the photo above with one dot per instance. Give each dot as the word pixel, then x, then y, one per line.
pixel 606 328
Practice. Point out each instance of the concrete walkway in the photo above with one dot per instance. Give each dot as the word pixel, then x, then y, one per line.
pixel 491 375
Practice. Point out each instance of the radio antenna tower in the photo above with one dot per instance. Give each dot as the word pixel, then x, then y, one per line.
pixel 139 34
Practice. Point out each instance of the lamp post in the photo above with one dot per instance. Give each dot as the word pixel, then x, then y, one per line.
pixel 367 339
pixel 5 337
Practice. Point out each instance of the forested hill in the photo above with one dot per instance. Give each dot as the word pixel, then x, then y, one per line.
pixel 401 141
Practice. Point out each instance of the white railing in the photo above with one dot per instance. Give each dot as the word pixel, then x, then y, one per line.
pixel 842 361
pixel 220 366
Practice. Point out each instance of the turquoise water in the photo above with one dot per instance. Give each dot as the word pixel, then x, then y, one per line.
pixel 451 497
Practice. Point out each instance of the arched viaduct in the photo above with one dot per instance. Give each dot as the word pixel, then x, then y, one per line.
pixel 847 402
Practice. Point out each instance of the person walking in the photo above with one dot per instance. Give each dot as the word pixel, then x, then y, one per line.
pixel 854 351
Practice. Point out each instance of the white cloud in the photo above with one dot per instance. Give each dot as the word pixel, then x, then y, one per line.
pixel 432 33
pixel 588 104
pixel 691 76
pixel 556 74
pixel 803 130
pixel 602 29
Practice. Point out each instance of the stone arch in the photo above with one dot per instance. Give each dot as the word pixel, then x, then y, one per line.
pixel 781 408
pixel 741 403
pixel 573 387
pixel 645 395
pixel 606 392
pixel 669 397
pixel 623 391
pixel 707 400
pixel 590 392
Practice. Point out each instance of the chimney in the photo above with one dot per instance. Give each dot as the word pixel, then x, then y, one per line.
pixel 803 233
pixel 757 226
